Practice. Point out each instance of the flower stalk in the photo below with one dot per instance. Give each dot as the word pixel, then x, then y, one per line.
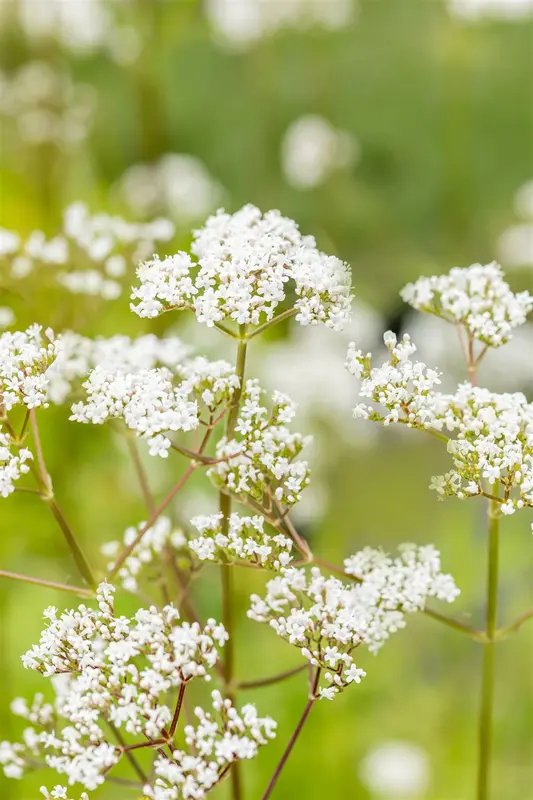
pixel 487 685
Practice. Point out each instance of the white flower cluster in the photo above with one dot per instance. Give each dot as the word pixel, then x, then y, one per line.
pixel 46 105
pixel 77 355
pixel 245 541
pixel 25 357
pixel 328 619
pixel 245 262
pixel 179 185
pixel 101 244
pixel 476 297
pixel 313 149
pixel 151 404
pixel 404 387
pixel 493 444
pixel 263 455
pixel 60 793
pixel 120 670
pixel 146 400
pixel 240 24
pixel 13 463
pixel 488 435
pixel 221 738
pixel 155 541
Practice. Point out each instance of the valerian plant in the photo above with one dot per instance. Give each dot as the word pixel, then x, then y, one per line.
pixel 116 686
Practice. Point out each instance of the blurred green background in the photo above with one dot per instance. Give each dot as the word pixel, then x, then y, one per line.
pixel 442 110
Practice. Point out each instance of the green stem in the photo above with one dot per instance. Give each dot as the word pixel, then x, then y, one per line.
pixel 487 685
pixel 75 549
pixel 239 371
pixel 291 312
pixel 226 573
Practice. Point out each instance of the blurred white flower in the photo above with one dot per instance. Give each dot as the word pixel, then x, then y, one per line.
pixel 82 26
pixel 515 245
pixel 312 149
pixel 241 23
pixel 473 10
pixel 46 105
pixel 7 316
pixel 178 184
pixel 523 200
pixel 309 368
pixel 396 770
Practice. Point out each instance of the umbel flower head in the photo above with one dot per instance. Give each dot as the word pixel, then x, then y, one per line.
pixel 24 359
pixel 156 402
pixel 77 355
pixel 222 736
pixel 405 388
pixel 123 671
pixel 488 435
pixel 476 298
pixel 246 263
pixel 263 456
pixel 328 619
pixel 245 540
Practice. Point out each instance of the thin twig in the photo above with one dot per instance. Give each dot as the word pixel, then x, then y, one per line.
pixel 45 484
pixel 298 540
pixel 62 587
pixel 131 758
pixel 177 710
pixel 282 676
pixel 310 703
pixel 290 312
pixel 141 473
pixel 514 626
pixel 152 519
pixel 451 622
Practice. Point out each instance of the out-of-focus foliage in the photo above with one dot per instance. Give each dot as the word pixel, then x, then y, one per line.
pixel 438 107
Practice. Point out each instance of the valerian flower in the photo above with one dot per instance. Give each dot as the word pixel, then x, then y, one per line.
pixel 114 669
pixel 246 263
pixel 476 298
pixel 25 357
pixel 13 463
pixel 60 793
pixel 222 737
pixel 263 455
pixel 488 435
pixel 157 402
pixel 328 619
pixel 77 355
pixel 405 388
pixel 245 541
